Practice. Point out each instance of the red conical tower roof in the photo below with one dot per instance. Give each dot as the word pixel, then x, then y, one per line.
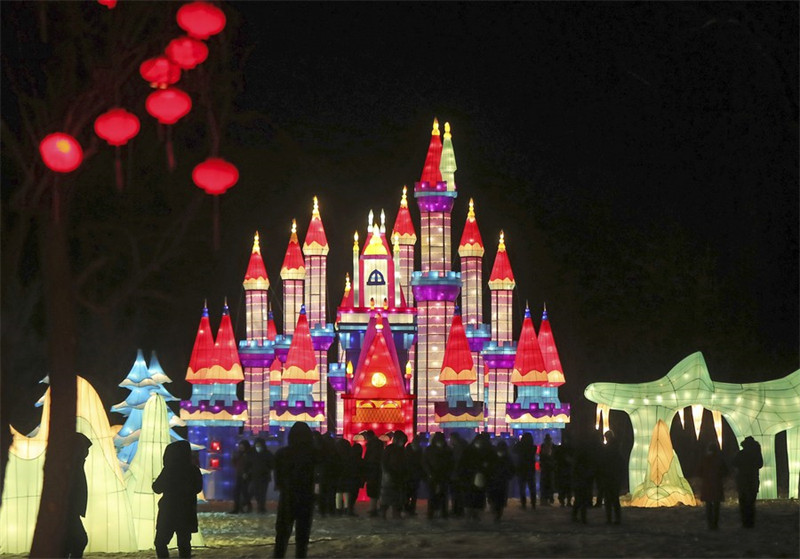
pixel 403 226
pixel 430 172
pixel 457 365
pixel 228 368
pixel 256 276
pixel 502 277
pixel 552 363
pixel 316 243
pixel 272 332
pixel 203 351
pixel 528 364
pixel 378 374
pixel 471 242
pixel 275 372
pixel 301 363
pixel 294 267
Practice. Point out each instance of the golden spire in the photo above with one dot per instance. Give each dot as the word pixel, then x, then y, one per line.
pixel 395 240
pixel 435 131
pixel 315 211
pixel 502 244
pixel 256 244
pixel 349 368
pixel 409 368
pixel 404 199
pixel 471 212
pixel 370 219
pixel 383 221
pixel 347 282
pixel 355 241
pixel 447 134
pixel 294 227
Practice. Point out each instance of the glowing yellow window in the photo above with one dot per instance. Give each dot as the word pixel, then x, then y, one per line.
pixel 378 380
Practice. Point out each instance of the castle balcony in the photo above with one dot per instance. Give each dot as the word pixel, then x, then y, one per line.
pixel 256 353
pixel 499 356
pixel 436 285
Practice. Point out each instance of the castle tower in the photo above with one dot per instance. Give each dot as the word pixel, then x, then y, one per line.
pixel 315 250
pixel 499 354
pixel 256 351
pixel 459 412
pixel 436 287
pixel 405 237
pixel 537 409
pixel 293 275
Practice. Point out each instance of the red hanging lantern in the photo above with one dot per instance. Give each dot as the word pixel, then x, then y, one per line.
pixel 116 127
pixel 110 4
pixel 168 106
pixel 215 176
pixel 186 52
pixel 159 72
pixel 201 19
pixel 61 152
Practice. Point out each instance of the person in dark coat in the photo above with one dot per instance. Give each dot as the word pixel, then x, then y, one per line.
pixel 180 481
pixel 547 468
pixel 712 472
pixel 478 464
pixel 524 454
pixel 294 480
pixel 611 470
pixel 243 463
pixel 563 454
pixel 499 478
pixel 344 457
pixel 415 475
pixel 438 465
pixel 355 476
pixel 583 474
pixel 460 480
pixel 372 470
pixel 394 475
pixel 328 473
pixel 747 462
pixel 262 465
pixel 75 539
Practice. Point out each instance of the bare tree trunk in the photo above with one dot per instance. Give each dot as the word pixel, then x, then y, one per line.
pixel 50 530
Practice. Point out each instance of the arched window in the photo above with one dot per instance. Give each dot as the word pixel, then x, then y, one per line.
pixel 376 278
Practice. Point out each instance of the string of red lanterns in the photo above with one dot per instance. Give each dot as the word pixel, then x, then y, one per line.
pixel 159 72
pixel 116 127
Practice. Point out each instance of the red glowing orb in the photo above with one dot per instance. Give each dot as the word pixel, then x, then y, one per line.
pixel 110 4
pixel 215 175
pixel 61 152
pixel 117 126
pixel 160 72
pixel 186 52
pixel 169 105
pixel 201 19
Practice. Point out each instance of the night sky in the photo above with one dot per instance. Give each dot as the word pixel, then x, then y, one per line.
pixel 642 159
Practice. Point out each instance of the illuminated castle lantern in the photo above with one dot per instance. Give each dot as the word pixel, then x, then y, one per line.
pixel 404 237
pixel 256 351
pixel 300 372
pixel 315 250
pixel 214 413
pixel 436 286
pixel 377 395
pixel 459 412
pixel 537 409
pixel 499 354
pixel 293 275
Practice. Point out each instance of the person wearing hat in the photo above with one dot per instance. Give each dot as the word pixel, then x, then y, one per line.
pixel 747 463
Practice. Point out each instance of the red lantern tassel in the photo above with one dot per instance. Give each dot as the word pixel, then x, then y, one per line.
pixel 170 153
pixel 118 169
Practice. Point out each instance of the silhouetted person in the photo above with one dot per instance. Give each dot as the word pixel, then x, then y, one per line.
pixel 328 473
pixel 611 470
pixel 499 478
pixel 747 463
pixel 75 539
pixel 437 462
pixel 547 467
pixel 460 478
pixel 563 454
pixel 294 479
pixel 180 481
pixel 355 475
pixel 415 474
pixel 372 470
pixel 394 475
pixel 712 472
pixel 344 457
pixel 524 454
pixel 478 463
pixel 243 464
pixel 263 464
pixel 583 474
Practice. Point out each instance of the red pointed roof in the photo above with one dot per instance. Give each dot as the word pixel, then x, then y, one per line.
pixel 378 375
pixel 471 242
pixel 376 245
pixel 430 172
pixel 202 352
pixel 502 277
pixel 555 374
pixel 294 267
pixel 256 275
pixel 316 243
pixel 227 353
pixel 457 365
pixel 272 332
pixel 403 226
pixel 528 365
pixel 275 371
pixel 301 363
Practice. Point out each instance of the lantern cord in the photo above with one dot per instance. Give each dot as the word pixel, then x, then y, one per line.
pixel 170 153
pixel 215 220
pixel 118 168
pixel 56 201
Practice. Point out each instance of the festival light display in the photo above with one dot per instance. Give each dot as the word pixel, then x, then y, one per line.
pixel 215 176
pixel 61 152
pixel 201 20
pixel 160 72
pixel 186 52
pixel 117 126
pixel 761 410
pixel 405 237
pixel 664 484
pixel 293 275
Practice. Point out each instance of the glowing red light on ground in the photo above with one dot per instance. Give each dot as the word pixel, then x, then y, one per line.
pixel 201 19
pixel 186 52
pixel 215 175
pixel 61 152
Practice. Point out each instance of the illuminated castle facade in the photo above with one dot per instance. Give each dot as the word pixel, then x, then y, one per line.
pixel 412 350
